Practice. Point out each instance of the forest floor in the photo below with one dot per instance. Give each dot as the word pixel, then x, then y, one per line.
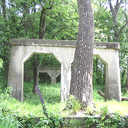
pixel 51 94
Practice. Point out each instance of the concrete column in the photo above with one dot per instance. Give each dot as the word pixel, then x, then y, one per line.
pixel 113 85
pixel 53 80
pixel 53 75
pixel 15 76
pixel 65 80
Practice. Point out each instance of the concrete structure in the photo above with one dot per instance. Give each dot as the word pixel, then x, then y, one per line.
pixel 22 49
pixel 53 72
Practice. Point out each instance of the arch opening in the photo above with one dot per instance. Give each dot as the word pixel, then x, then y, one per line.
pixel 99 76
pixel 44 78
pixel 48 69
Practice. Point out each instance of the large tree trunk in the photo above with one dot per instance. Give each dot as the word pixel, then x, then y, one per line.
pixel 82 68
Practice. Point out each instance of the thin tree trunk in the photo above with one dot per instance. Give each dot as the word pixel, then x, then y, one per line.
pixel 127 81
pixel 114 11
pixel 127 76
pixel 35 72
pixel 5 58
pixel 82 67
pixel 25 18
pixel 42 28
pixel 4 8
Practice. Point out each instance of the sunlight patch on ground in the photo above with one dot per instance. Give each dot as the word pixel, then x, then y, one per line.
pixel 114 106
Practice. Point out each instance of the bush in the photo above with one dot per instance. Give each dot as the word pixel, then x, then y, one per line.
pixel 107 121
pixel 73 104
pixel 8 120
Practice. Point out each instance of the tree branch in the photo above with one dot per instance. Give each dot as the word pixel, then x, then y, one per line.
pixel 117 6
pixel 101 94
pixel 122 28
pixel 110 5
pixel 121 1
pixel 51 3
pixel 126 16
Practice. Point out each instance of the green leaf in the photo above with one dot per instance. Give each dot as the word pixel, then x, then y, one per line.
pixel 1 63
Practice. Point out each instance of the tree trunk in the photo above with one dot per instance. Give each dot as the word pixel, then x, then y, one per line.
pixel 127 76
pixel 35 73
pixel 42 28
pixel 26 23
pixel 82 67
pixel 115 11
pixel 127 81
pixel 4 8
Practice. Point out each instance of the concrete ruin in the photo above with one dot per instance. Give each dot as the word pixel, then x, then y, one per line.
pixel 63 50
pixel 53 72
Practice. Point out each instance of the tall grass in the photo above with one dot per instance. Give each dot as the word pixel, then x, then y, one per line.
pixel 51 94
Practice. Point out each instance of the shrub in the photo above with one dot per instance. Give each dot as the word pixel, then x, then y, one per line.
pixel 74 104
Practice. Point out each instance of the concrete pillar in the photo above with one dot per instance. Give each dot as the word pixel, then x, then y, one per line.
pixel 54 76
pixel 53 80
pixel 113 85
pixel 15 76
pixel 65 80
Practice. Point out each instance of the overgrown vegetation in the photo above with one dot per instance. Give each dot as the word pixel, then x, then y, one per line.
pixel 29 114
pixel 22 19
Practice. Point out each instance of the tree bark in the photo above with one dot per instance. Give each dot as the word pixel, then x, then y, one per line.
pixel 82 67
pixel 26 23
pixel 4 8
pixel 42 28
pixel 35 73
pixel 127 81
pixel 127 76
pixel 114 11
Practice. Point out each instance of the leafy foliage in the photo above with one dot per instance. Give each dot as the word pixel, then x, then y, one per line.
pixel 20 115
pixel 73 104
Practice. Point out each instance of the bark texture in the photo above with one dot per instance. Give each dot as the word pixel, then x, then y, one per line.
pixel 82 67
pixel 42 29
pixel 42 25
pixel 114 12
pixel 4 8
pixel 127 81
pixel 26 23
pixel 35 72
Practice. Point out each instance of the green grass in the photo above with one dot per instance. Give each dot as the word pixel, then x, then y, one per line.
pixel 51 94
pixel 113 106
pixel 32 105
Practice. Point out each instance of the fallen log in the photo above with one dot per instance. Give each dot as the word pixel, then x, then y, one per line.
pixel 103 95
pixel 124 99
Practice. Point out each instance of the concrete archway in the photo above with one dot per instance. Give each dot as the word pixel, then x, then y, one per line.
pixel 64 52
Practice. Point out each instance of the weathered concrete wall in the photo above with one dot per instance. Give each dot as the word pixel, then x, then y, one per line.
pixel 112 80
pixel 64 52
